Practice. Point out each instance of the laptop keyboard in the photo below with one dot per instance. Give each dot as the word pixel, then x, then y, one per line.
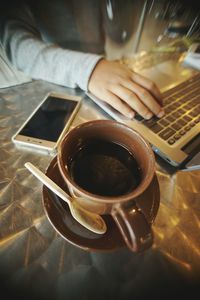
pixel 182 111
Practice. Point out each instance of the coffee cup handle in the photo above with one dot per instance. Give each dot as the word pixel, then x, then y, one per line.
pixel 135 229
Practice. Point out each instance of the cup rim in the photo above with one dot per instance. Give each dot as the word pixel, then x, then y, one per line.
pixel 108 199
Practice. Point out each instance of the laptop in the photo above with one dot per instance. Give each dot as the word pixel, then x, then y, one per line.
pixel 176 136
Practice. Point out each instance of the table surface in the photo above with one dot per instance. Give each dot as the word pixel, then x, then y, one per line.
pixel 36 261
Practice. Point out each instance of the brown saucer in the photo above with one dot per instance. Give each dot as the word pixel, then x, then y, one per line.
pixel 61 219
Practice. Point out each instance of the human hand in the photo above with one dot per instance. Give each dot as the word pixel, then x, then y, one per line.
pixel 125 90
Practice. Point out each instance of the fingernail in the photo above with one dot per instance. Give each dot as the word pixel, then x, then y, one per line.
pixel 148 116
pixel 161 113
pixel 131 115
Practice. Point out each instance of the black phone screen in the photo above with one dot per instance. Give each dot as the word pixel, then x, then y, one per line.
pixel 50 119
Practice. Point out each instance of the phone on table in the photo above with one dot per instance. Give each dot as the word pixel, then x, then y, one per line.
pixel 45 127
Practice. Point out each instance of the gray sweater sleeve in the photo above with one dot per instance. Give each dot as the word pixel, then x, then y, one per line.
pixel 40 60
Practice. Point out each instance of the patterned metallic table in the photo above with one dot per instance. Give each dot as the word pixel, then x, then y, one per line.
pixel 37 262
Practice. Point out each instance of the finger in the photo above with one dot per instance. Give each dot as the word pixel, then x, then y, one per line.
pixel 149 85
pixel 119 105
pixel 146 97
pixel 133 101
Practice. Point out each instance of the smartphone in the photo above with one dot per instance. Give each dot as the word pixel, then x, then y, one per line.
pixel 45 127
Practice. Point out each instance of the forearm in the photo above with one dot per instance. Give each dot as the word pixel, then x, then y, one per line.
pixel 125 90
pixel 47 61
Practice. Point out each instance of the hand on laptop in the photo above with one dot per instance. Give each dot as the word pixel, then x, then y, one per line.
pixel 125 90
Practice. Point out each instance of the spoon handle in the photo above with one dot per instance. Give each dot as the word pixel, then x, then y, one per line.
pixel 91 221
pixel 48 182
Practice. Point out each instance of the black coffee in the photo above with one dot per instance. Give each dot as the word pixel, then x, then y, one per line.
pixel 105 168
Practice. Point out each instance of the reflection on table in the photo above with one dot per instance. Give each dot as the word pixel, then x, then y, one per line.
pixel 36 261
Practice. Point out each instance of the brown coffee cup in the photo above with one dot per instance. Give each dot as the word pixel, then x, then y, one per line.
pixel 130 219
